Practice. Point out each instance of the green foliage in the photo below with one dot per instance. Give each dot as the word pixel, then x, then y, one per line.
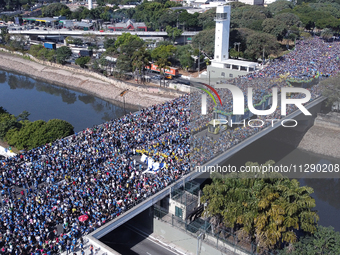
pixel 109 43
pixel 206 39
pixel 72 40
pixel 127 39
pixel 173 32
pixel 246 15
pixel 4 33
pixel 183 54
pixel 163 51
pixel 82 61
pixel 7 121
pixel 162 63
pixel 127 45
pixel 33 134
pixel 156 15
pixel 279 5
pixel 331 89
pixel 62 54
pixel 267 208
pixel 206 19
pixel 258 42
pixel 34 50
pixel 274 27
pixel 55 9
pixel 324 241
pixel 141 59
pixel 189 21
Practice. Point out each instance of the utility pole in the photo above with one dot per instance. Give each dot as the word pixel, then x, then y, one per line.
pixel 263 58
pixel 209 78
pixel 199 58
pixel 198 243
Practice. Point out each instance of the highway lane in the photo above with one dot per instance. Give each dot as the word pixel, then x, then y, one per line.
pixel 127 241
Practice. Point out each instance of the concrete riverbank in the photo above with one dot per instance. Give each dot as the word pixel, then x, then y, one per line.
pixel 324 137
pixel 87 81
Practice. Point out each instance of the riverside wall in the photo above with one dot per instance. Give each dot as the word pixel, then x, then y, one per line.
pixel 324 136
pixel 88 81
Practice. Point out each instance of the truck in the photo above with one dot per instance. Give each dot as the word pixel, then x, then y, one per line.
pixel 51 46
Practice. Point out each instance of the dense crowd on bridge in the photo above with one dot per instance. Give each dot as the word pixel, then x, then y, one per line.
pixel 96 172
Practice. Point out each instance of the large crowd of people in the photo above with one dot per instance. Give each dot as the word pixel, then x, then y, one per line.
pixel 95 173
pixel 54 194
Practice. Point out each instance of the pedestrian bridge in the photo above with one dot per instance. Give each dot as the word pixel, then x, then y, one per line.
pixel 314 107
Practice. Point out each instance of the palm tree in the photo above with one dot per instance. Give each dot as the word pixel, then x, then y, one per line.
pixel 141 59
pixel 267 210
pixel 162 63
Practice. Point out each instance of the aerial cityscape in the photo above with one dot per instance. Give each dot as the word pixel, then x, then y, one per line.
pixel 169 127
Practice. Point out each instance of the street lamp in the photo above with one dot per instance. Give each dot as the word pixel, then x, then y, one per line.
pixel 198 243
pixel 122 94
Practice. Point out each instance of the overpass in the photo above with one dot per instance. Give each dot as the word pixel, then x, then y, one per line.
pixel 313 107
pixel 63 33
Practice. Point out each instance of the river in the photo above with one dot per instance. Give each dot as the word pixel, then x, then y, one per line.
pixel 45 101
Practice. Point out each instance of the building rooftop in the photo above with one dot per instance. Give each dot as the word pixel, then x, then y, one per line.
pixel 237 62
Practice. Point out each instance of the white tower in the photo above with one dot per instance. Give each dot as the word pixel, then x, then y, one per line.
pixel 90 4
pixel 222 33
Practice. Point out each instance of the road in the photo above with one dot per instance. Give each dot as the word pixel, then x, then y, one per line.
pixel 127 241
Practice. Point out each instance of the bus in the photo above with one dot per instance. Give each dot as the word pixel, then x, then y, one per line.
pixel 217 126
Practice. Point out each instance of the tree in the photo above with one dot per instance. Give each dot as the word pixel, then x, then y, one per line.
pixel 126 39
pixel 163 51
pixel 140 60
pixel 190 21
pixel 206 19
pixel 183 54
pixel 109 43
pixel 279 6
pixel 4 33
pixel 259 43
pixel 246 15
pixel 327 33
pixel 33 134
pixel 55 9
pixel 331 89
pixel 324 241
pixel 206 39
pixel 62 54
pixel 34 50
pixel 275 27
pixel 162 63
pixel 161 55
pixel 267 209
pixel 82 61
pixel 288 19
pixel 173 32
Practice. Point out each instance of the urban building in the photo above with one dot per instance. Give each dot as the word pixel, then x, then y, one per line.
pixel 221 66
